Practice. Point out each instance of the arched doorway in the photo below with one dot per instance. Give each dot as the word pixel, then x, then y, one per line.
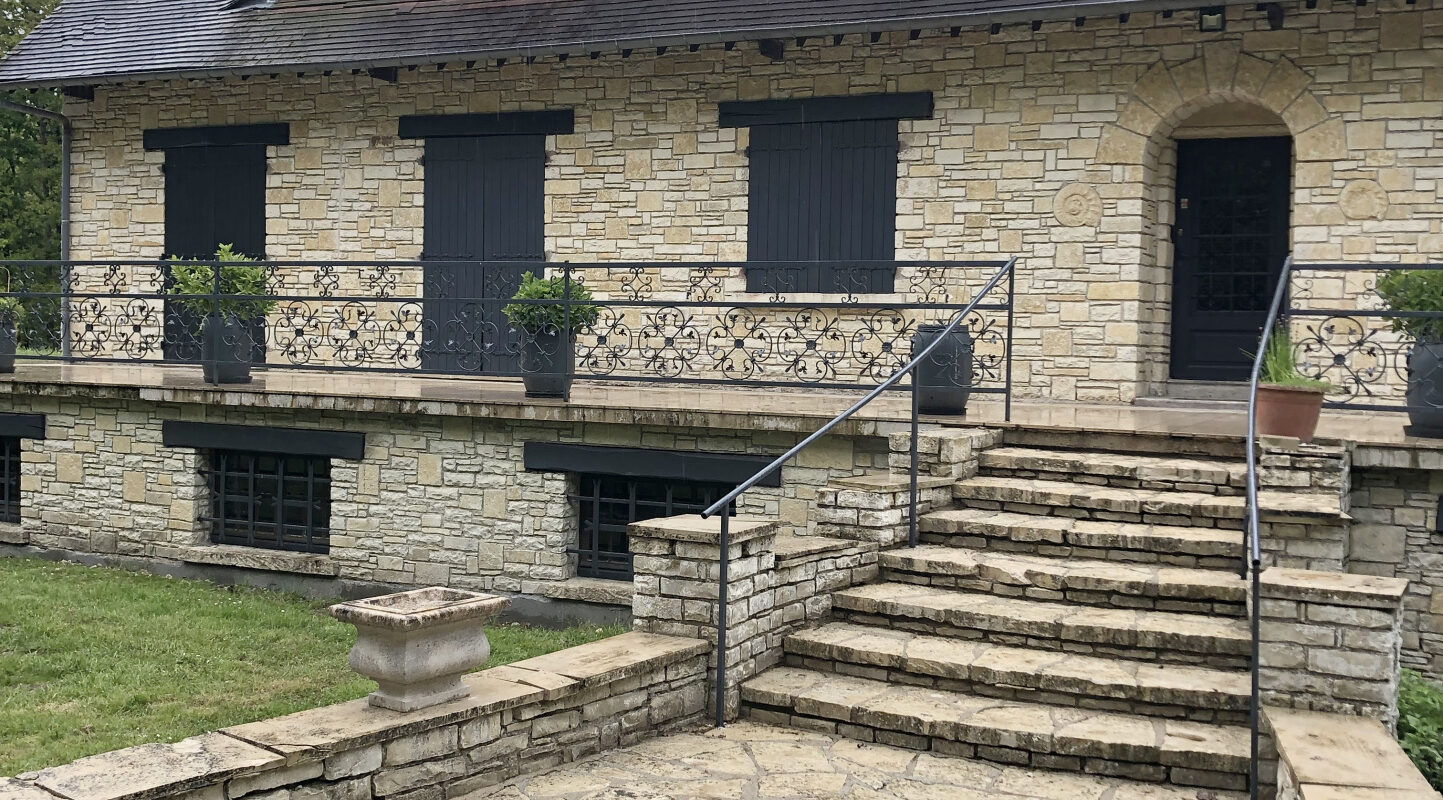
pixel 1230 234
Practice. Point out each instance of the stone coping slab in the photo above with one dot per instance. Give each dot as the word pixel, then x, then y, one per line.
pixel 418 608
pixel 151 770
pixel 891 482
pixel 251 558
pixel 1335 588
pixel 15 790
pixel 1338 756
pixel 314 733
pixel 792 546
pixel 591 590
pixel 692 528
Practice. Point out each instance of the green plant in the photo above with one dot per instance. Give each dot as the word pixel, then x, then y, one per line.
pixel 11 310
pixel 1420 724
pixel 189 279
pixel 1414 290
pixel 1279 367
pixel 535 318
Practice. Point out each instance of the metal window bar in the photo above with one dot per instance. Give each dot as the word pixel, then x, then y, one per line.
pixel 607 504
pixel 9 479
pixel 729 500
pixel 269 501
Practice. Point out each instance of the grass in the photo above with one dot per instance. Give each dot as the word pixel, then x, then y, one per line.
pixel 1420 724
pixel 95 659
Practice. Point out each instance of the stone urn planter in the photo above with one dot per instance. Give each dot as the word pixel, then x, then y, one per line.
pixel 418 644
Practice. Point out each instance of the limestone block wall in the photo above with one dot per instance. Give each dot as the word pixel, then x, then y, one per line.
pixel 435 500
pixel 1395 534
pixel 1054 145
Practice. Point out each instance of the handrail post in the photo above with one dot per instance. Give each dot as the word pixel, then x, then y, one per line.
pixel 1007 356
pixel 723 561
pixel 565 340
pixel 912 503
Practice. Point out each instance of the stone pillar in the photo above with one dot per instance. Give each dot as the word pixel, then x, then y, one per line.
pixel 1331 642
pixel 678 568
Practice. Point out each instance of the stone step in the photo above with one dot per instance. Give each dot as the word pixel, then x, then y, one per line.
pixel 1082 581
pixel 1014 673
pixel 1091 435
pixel 1128 633
pixel 1067 537
pixel 1038 735
pixel 1064 498
pixel 1128 470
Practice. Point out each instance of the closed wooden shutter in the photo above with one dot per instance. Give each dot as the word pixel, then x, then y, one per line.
pixel 824 191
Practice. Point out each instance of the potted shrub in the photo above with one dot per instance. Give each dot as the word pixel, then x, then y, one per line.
pixel 1420 290
pixel 548 343
pixel 10 313
pixel 225 331
pixel 1289 402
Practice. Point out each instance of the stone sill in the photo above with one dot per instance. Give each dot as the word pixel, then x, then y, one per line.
pixel 226 555
pixel 591 590
pixel 1333 588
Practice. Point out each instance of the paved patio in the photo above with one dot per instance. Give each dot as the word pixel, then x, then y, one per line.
pixel 748 760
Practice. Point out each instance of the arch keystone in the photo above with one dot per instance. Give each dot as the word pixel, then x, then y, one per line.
pixel 1220 63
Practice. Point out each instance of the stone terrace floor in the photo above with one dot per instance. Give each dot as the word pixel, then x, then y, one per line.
pixel 748 760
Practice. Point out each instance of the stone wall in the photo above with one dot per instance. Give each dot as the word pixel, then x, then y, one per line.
pixel 523 717
pixel 1053 144
pixel 435 500
pixel 1395 534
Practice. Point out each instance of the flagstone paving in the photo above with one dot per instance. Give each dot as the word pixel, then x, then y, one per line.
pixel 748 760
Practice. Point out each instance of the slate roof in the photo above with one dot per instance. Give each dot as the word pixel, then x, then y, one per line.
pixel 104 41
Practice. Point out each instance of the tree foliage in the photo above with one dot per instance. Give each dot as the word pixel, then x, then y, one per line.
pixel 29 153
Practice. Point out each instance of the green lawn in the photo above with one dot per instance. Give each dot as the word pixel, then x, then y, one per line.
pixel 96 659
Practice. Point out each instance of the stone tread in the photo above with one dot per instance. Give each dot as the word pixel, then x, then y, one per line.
pixel 1040 670
pixel 1274 505
pixel 1089 533
pixel 1065 575
pixel 1034 727
pixel 1133 466
pixel 1161 630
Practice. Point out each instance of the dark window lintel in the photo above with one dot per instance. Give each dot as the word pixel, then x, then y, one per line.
pixel 725 468
pixel 256 439
pixel 548 123
pixel 23 426
pixel 746 113
pixel 217 136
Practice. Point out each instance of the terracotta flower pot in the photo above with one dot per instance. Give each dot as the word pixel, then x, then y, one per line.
pixel 1289 411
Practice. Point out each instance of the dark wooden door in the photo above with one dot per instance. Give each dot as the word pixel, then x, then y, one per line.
pixel 485 202
pixel 214 195
pixel 1229 242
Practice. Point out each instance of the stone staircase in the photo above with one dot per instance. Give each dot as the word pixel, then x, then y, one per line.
pixel 1074 609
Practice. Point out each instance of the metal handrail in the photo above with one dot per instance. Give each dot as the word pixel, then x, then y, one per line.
pixel 1253 557
pixel 726 501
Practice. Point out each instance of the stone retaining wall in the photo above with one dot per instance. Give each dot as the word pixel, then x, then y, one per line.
pixel 524 717
pixel 436 499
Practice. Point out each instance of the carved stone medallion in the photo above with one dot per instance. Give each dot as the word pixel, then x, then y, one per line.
pixel 1076 205
pixel 1363 200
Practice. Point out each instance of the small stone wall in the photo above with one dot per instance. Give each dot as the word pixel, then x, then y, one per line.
pixel 523 717
pixel 1331 642
pixel 1336 757
pixel 440 497
pixel 775 585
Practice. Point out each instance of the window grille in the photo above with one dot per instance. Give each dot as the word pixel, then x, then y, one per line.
pixel 278 502
pixel 606 504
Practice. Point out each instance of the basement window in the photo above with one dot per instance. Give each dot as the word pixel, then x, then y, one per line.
pixel 9 479
pixel 269 500
pixel 606 504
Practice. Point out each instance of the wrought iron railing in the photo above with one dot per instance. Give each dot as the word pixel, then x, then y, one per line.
pixel 1004 276
pixel 1344 333
pixel 725 323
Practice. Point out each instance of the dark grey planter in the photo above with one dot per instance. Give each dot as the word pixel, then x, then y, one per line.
pixel 7 347
pixel 548 361
pixel 1425 389
pixel 944 378
pixel 225 349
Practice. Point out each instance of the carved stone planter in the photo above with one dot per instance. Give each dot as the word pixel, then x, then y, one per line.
pixel 418 644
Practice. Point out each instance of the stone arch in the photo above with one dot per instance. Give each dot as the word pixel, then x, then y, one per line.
pixel 1165 96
